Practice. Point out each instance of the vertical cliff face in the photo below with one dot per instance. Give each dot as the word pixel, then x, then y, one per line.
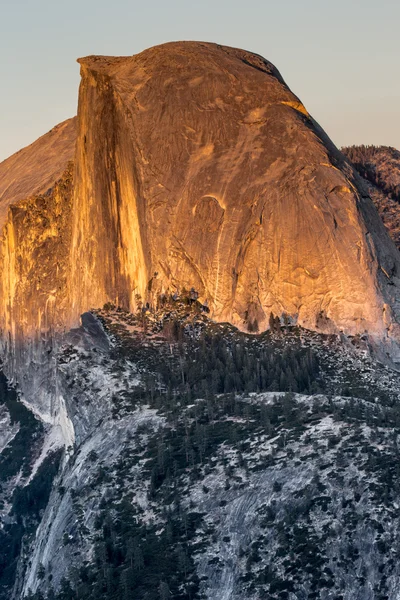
pixel 34 266
pixel 35 260
pixel 35 220
pixel 35 216
pixel 34 281
pixel 197 167
pixel 108 259
pixel 194 167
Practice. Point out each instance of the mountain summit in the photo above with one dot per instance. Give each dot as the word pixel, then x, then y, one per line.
pixel 197 167
pixel 157 450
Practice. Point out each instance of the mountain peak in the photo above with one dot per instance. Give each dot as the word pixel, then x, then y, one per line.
pixel 197 167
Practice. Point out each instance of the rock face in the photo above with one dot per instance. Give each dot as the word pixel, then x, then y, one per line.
pixel 264 492
pixel 33 170
pixel 380 167
pixel 35 218
pixel 195 166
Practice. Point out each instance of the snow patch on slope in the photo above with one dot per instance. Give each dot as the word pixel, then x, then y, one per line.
pixel 8 431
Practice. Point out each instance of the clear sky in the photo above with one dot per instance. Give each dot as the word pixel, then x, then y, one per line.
pixel 341 57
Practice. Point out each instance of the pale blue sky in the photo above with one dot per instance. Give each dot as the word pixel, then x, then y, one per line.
pixel 342 58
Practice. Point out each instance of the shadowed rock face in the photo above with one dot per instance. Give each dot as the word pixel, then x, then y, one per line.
pixel 380 167
pixel 196 166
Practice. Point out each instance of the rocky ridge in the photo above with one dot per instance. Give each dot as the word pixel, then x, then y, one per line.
pixel 152 447
pixel 380 168
pixel 202 478
pixel 195 166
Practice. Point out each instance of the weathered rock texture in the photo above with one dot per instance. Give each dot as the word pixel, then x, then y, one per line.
pixel 195 162
pixel 33 170
pixel 195 166
pixel 380 167
pixel 35 218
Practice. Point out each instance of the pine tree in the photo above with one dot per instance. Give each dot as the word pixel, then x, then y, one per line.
pixel 272 322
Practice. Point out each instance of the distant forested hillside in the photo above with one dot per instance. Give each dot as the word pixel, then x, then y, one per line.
pixel 380 167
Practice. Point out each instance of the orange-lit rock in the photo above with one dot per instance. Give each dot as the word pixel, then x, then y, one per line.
pixel 197 163
pixel 35 219
pixel 34 169
pixel 195 166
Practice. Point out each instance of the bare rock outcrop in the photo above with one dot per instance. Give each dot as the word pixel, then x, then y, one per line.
pixel 34 169
pixel 195 167
pixel 380 167
pixel 36 187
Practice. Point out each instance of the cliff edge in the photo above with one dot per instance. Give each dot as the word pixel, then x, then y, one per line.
pixel 195 167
